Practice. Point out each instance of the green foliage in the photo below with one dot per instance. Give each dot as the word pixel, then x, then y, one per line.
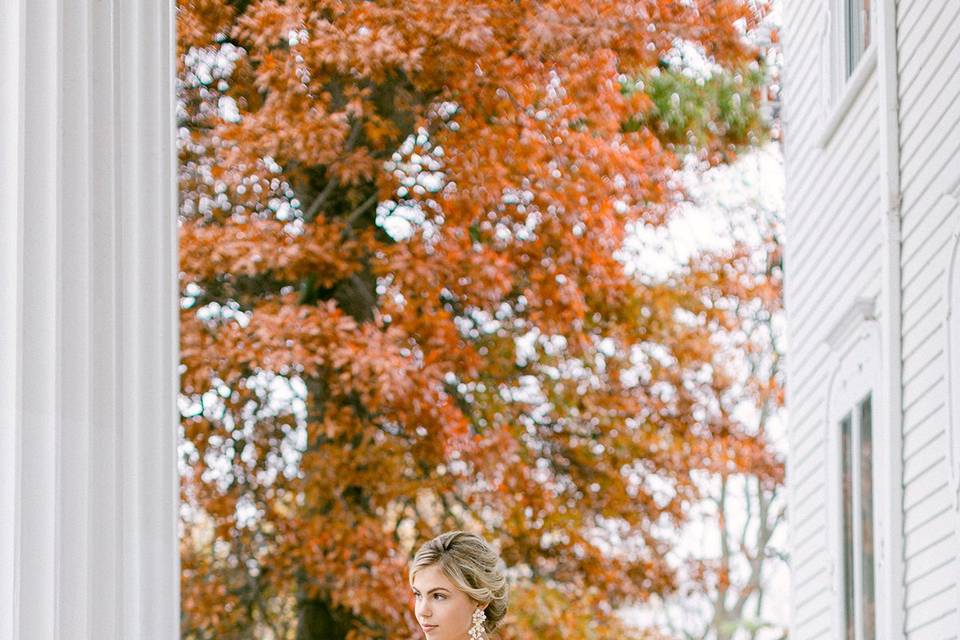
pixel 721 112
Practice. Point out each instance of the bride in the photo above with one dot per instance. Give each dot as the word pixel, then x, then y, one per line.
pixel 459 587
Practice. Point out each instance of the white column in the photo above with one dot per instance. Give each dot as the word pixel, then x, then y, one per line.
pixel 88 321
pixel 9 276
pixel 891 569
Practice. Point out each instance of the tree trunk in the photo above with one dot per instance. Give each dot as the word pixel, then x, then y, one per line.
pixel 318 621
pixel 356 296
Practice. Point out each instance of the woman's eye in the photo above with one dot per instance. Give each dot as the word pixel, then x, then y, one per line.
pixel 439 596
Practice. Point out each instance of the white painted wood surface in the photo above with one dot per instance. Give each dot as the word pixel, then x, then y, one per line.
pixel 953 386
pixel 10 15
pixel 929 43
pixel 88 324
pixel 833 223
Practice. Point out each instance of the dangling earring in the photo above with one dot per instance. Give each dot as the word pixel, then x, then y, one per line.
pixel 476 631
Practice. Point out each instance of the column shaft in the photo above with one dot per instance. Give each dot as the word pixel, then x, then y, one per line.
pixel 88 321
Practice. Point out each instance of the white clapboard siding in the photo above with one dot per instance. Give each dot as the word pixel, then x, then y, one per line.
pixel 835 204
pixel 929 114
pixel 833 222
pixel 924 437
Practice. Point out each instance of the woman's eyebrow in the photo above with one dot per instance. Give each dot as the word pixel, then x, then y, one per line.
pixel 431 590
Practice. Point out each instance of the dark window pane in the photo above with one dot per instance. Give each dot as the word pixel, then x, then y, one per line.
pixel 857 32
pixel 846 457
pixel 866 519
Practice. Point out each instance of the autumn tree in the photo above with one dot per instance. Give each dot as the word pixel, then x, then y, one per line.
pixel 733 576
pixel 730 553
pixel 732 549
pixel 736 575
pixel 406 307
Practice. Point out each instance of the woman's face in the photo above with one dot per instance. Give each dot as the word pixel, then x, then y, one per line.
pixel 443 611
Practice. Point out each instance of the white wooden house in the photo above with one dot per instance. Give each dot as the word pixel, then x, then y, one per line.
pixel 872 134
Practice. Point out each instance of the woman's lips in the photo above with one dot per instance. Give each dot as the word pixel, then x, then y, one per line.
pixel 429 627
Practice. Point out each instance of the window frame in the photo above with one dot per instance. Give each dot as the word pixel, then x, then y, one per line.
pixel 856 346
pixel 841 85
pixel 857 488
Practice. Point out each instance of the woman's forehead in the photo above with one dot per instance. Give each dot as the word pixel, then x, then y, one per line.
pixel 432 577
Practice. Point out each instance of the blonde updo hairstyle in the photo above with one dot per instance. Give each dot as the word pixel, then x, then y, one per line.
pixel 473 566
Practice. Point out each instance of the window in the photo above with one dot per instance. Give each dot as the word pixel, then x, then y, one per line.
pixel 857 32
pixel 859 589
pixel 849 598
pixel 848 56
pixel 855 500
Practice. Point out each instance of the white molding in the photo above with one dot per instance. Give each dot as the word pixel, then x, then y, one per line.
pixel 952 326
pixel 88 532
pixel 838 109
pixel 11 90
pixel 890 571
pixel 861 310
pixel 825 47
pixel 952 323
